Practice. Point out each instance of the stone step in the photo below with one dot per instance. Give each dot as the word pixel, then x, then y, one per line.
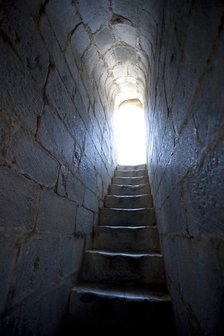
pixel 130 167
pixel 127 217
pixel 116 189
pixel 126 238
pixel 130 180
pixel 130 173
pixel 106 309
pixel 131 269
pixel 128 202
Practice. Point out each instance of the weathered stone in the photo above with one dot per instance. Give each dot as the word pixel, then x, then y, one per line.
pixel 56 138
pixel 87 173
pixel 59 97
pixel 90 58
pixel 64 18
pixel 37 266
pixel 57 56
pixel 90 200
pixel 70 186
pixel 56 214
pixel 70 256
pixel 80 40
pixel 126 33
pixel 32 159
pixel 19 200
pixel 9 248
pixel 94 14
pixel 42 308
pixel 25 41
pixel 84 221
pixel 103 39
pixel 19 93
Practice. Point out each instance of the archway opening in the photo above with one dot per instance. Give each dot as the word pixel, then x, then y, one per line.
pixel 130 133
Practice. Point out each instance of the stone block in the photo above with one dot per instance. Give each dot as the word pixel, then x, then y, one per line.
pixel 94 14
pixel 8 252
pixel 203 192
pixel 19 93
pixel 84 221
pixel 70 256
pixel 91 200
pixel 70 186
pixel 126 34
pixel 56 139
pixel 56 55
pixel 46 314
pixel 32 159
pixel 82 109
pixel 64 18
pixel 37 266
pixel 18 201
pixel 207 109
pixel 59 97
pixel 125 54
pixel 25 41
pixel 80 40
pixel 86 173
pixel 126 10
pixel 56 214
pixel 200 274
pixel 90 59
pixel 104 40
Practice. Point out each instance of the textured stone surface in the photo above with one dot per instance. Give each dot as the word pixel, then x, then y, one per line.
pixel 84 221
pixel 49 104
pixel 186 160
pixel 56 214
pixel 32 159
pixel 19 200
pixel 55 139
pixel 70 186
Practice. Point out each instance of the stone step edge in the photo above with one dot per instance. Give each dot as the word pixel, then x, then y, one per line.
pixel 124 227
pixel 128 294
pixel 128 196
pixel 124 254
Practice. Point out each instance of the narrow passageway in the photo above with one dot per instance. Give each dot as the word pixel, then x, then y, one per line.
pixel 68 69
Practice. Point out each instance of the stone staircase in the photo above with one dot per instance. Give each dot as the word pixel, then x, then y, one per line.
pixel 122 283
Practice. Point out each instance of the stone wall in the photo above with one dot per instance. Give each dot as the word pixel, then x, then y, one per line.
pixel 186 159
pixel 56 161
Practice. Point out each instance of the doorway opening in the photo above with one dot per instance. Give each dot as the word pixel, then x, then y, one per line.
pixel 130 133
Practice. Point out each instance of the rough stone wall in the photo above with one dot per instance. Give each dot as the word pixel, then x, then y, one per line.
pixel 56 161
pixel 186 159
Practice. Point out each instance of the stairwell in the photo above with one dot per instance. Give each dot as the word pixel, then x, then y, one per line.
pixel 122 284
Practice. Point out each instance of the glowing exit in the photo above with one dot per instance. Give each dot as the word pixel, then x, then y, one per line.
pixel 130 134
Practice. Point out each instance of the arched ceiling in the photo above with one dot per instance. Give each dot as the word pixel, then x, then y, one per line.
pixel 114 40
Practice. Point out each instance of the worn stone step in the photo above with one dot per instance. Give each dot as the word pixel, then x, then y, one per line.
pixel 126 238
pixel 130 167
pixel 133 269
pixel 127 217
pixel 117 189
pixel 106 309
pixel 130 173
pixel 128 202
pixel 130 180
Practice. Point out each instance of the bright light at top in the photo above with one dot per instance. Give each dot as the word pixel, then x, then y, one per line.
pixel 130 134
